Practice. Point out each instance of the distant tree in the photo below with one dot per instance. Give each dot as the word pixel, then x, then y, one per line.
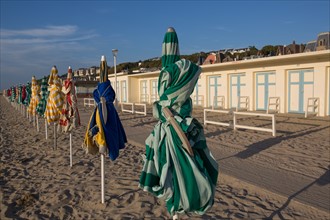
pixel 228 54
pixel 252 51
pixel 269 50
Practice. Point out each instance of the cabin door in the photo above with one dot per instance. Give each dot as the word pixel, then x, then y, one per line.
pixel 154 90
pixel 265 88
pixel 237 88
pixel 214 89
pixel 301 87
pixel 143 91
pixel 196 98
pixel 123 91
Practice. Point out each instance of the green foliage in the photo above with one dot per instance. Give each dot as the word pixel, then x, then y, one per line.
pixel 156 62
pixel 269 50
pixel 253 51
pixel 153 63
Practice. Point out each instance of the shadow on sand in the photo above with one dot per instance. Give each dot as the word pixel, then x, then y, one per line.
pixel 322 181
pixel 257 147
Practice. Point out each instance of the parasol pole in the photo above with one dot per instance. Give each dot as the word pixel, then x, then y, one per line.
pixel 102 178
pixel 103 78
pixel 37 123
pixel 70 149
pixel 55 136
pixel 185 142
pixel 46 129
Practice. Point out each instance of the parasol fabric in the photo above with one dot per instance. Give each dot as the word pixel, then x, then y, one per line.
pixel 28 94
pixel 20 91
pixel 8 92
pixel 41 108
pixel 70 116
pixel 34 97
pixel 13 94
pixel 105 132
pixel 23 93
pixel 55 98
pixel 17 94
pixel 187 183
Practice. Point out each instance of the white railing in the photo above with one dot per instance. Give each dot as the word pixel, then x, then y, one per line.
pixel 273 101
pixel 133 108
pixel 144 112
pixel 242 100
pixel 272 130
pixel 215 122
pixel 217 100
pixel 314 104
pixel 127 110
pixel 235 125
pixel 89 102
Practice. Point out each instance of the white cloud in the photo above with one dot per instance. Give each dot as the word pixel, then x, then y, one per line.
pixel 48 31
pixel 33 51
pixel 45 40
pixel 49 34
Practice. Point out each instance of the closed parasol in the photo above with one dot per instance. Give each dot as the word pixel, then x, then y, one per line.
pixel 13 94
pixel 70 116
pixel 23 93
pixel 55 98
pixel 178 166
pixel 34 97
pixel 20 101
pixel 43 97
pixel 105 133
pixel 28 94
pixel 17 93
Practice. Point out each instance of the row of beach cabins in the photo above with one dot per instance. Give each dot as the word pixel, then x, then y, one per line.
pixel 296 83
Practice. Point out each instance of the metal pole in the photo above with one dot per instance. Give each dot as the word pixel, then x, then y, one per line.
pixel 55 136
pixel 46 129
pixel 102 178
pixel 37 123
pixel 115 65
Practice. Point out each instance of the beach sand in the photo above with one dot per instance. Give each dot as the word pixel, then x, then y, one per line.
pixel 38 183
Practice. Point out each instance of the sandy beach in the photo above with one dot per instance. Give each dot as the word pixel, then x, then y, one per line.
pixel 38 183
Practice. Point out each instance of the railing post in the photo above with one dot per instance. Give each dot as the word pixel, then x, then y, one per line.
pixel 234 121
pixel 274 125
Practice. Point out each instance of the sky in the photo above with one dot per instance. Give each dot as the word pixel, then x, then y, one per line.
pixel 35 35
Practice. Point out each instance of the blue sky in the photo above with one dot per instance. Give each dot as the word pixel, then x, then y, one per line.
pixel 35 35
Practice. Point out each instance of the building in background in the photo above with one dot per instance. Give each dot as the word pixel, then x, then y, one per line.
pixel 298 74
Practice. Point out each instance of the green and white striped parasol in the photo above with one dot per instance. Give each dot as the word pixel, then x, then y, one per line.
pixel 43 97
pixel 186 181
